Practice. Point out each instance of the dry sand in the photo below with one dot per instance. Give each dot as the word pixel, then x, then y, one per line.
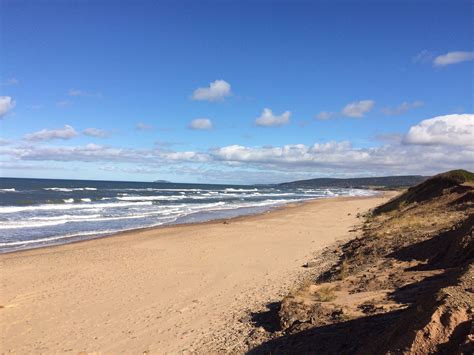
pixel 163 290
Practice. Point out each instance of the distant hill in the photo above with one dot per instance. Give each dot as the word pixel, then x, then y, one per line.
pixel 364 182
pixel 162 182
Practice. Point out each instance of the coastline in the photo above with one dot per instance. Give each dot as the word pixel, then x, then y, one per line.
pixel 76 239
pixel 163 289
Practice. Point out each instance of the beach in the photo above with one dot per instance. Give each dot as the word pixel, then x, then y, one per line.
pixel 164 290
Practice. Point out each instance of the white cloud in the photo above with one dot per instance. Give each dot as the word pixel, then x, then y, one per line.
pixel 6 104
pixel 423 57
pixel 96 132
pixel 15 165
pixel 99 153
pixel 324 115
pixel 456 129
pixel 268 119
pixel 402 108
pixel 88 153
pixel 292 154
pixel 433 145
pixel 216 91
pixel 67 132
pixel 358 109
pixel 79 93
pixel 389 137
pixel 76 92
pixel 165 143
pixel 63 103
pixel 341 157
pixel 201 124
pixel 143 126
pixel 4 141
pixel 453 58
pixel 129 170
pixel 11 81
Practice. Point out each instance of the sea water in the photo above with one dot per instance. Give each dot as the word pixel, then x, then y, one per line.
pixel 41 212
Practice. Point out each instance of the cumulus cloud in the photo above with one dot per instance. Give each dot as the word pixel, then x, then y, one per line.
pixel 268 119
pixel 100 153
pixel 328 158
pixel 140 126
pixel 453 58
pixel 401 109
pixel 216 91
pixel 342 157
pixel 96 132
pixel 358 109
pixel 324 115
pixel 292 154
pixel 88 153
pixel 67 132
pixel 201 124
pixel 6 104
pixel 433 145
pixel 456 129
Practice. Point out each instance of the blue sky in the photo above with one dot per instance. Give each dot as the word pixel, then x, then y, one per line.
pixel 352 88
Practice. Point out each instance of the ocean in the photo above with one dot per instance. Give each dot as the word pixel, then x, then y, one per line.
pixel 41 212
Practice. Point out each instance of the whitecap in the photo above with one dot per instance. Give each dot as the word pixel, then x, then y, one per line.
pixel 13 209
pixel 240 190
pixel 151 198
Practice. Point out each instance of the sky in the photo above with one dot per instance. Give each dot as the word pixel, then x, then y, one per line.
pixel 235 91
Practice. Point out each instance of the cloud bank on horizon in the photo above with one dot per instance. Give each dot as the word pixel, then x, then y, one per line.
pixel 430 146
pixel 247 104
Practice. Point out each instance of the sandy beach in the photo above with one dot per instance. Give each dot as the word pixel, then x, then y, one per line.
pixel 163 290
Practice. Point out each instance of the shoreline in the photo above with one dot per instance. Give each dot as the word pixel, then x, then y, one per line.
pixel 216 221
pixel 165 289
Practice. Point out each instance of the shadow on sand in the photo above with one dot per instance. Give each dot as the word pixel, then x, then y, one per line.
pixel 373 333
